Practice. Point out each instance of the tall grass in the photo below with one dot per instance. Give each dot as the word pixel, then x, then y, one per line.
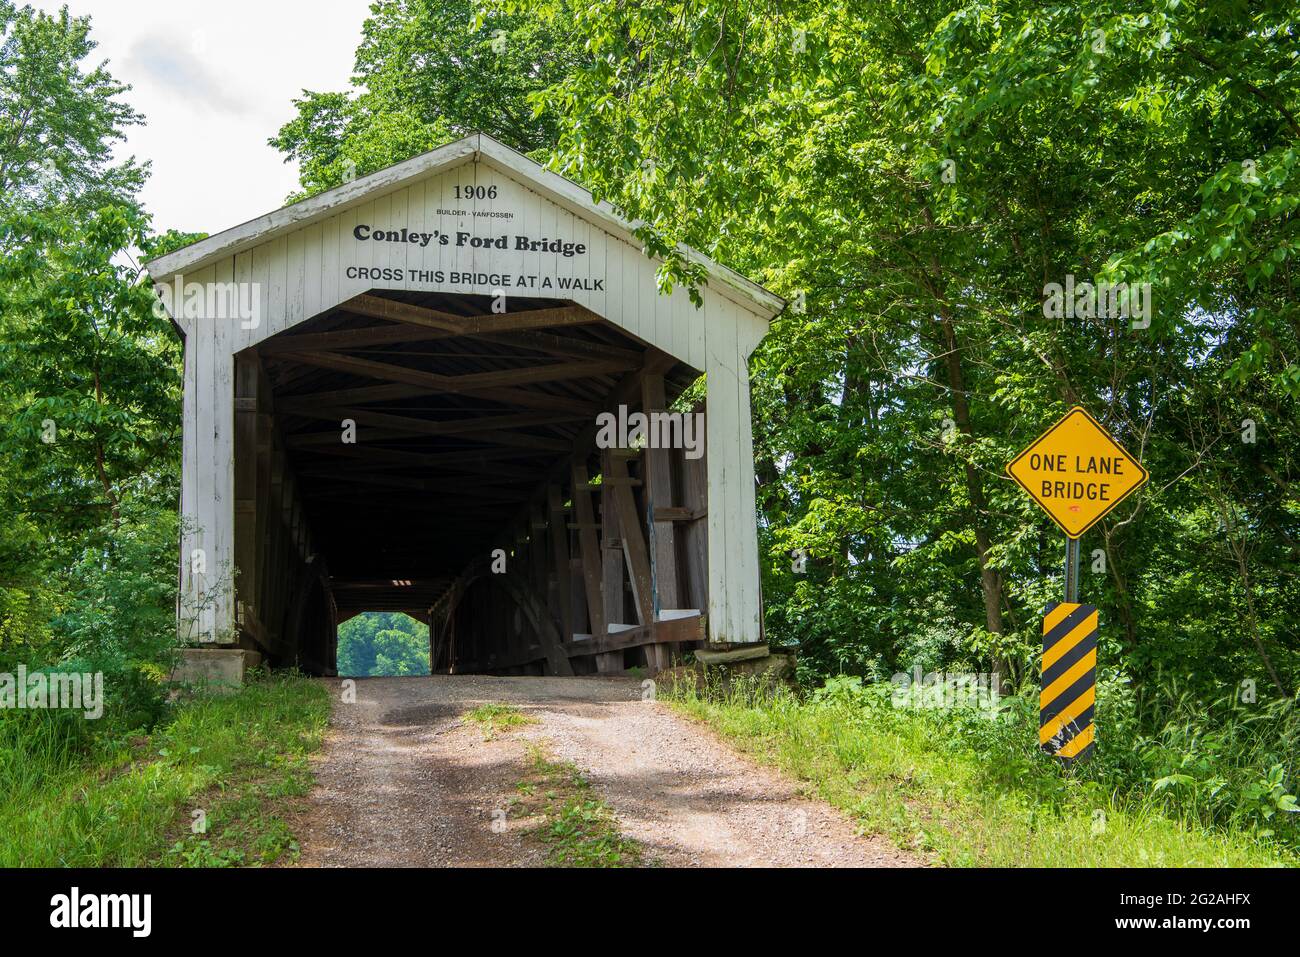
pixel 1227 762
pixel 70 797
pixel 970 788
pixel 38 745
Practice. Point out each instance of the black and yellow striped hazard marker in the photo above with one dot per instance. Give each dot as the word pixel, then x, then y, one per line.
pixel 1065 705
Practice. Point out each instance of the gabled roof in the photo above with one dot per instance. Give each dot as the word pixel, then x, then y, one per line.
pixel 477 147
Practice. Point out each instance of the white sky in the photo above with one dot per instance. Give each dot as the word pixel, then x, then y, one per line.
pixel 214 80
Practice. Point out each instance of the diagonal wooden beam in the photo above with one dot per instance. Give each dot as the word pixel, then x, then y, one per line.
pixel 560 555
pixel 402 423
pixel 376 307
pixel 341 340
pixel 475 490
pixel 429 383
pixel 626 392
pixel 350 338
pixel 588 548
pixel 468 382
pixel 363 394
pixel 475 461
pixel 611 564
pixel 561 345
pixel 659 494
pixel 539 617
pixel 616 490
pixel 634 547
pixel 470 428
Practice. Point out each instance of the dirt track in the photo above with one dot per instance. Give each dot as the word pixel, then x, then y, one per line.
pixel 402 781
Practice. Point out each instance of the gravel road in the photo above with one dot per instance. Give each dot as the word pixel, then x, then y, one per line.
pixel 403 781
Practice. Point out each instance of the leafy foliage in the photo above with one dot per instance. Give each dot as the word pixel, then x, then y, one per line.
pixel 59 117
pixel 912 178
pixel 89 384
pixel 383 644
pixel 427 72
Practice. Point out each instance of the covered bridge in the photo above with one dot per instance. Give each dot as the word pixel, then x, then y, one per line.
pixel 418 392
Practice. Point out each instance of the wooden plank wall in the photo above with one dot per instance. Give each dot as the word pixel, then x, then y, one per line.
pixel 586 539
pixel 282 604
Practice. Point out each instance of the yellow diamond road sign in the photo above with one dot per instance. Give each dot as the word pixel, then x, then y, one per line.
pixel 1077 472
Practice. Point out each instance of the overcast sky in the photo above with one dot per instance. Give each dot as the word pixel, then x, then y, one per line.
pixel 214 79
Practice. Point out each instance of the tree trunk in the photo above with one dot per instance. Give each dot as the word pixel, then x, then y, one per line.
pixel 990 580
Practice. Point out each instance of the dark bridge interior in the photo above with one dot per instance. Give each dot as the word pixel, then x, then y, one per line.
pixel 385 448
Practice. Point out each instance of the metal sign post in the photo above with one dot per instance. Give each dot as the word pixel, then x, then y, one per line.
pixel 1071 569
pixel 1077 473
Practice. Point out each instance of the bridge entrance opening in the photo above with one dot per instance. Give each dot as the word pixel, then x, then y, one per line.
pixel 423 454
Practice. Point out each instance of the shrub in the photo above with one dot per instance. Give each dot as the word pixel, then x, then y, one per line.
pixel 119 616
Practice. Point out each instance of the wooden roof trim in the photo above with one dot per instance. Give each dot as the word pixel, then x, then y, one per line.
pixel 475 147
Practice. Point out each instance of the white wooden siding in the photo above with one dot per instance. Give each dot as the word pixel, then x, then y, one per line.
pixel 302 272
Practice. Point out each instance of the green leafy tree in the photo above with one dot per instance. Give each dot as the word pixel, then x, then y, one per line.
pixel 383 644
pixel 59 118
pixel 913 178
pixel 89 378
pixel 427 72
pixel 89 372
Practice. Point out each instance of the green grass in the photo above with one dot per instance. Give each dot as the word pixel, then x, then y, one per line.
pixel 577 827
pixel 240 758
pixel 497 717
pixel 897 775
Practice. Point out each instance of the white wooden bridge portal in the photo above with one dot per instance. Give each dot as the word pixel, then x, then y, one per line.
pixel 392 401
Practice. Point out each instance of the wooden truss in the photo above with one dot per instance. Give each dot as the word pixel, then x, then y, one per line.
pixel 426 455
